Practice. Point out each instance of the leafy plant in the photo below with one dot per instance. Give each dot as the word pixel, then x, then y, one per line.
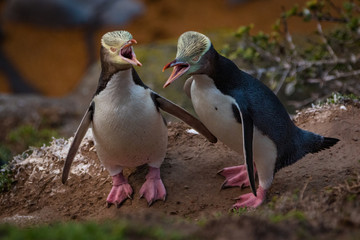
pixel 5 154
pixel 5 178
pixel 321 63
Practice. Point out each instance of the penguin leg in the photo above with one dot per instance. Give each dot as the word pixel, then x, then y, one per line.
pixel 235 176
pixel 153 189
pixel 265 163
pixel 120 191
pixel 250 200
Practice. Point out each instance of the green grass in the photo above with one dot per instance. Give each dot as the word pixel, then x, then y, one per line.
pixel 28 135
pixel 338 98
pixel 5 154
pixel 21 138
pixel 5 178
pixel 293 214
pixel 239 211
pixel 88 231
pixel 18 140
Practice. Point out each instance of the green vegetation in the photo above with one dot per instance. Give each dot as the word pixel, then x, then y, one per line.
pixel 5 178
pixel 21 138
pixel 292 215
pixel 5 154
pixel 304 67
pixel 338 98
pixel 239 211
pixel 17 141
pixel 88 230
pixel 27 135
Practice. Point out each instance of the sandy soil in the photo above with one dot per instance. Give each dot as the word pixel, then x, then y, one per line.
pixel 323 188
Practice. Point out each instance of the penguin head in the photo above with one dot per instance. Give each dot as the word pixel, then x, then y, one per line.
pixel 117 49
pixel 191 48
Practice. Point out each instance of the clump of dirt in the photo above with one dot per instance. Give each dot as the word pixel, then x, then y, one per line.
pixel 317 196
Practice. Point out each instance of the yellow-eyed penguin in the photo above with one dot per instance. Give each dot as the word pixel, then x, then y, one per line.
pixel 242 113
pixel 127 126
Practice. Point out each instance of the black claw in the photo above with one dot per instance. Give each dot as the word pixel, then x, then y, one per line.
pixel 219 172
pixel 118 205
pixel 223 186
pixel 150 203
pixel 108 205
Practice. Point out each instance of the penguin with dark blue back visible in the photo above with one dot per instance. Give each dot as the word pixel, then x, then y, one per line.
pixel 127 125
pixel 243 113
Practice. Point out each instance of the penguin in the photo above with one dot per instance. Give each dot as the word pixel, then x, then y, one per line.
pixel 243 113
pixel 126 122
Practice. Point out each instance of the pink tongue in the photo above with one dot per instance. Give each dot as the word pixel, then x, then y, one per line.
pixel 126 52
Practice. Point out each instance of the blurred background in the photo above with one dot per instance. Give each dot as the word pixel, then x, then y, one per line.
pixel 49 44
pixel 49 52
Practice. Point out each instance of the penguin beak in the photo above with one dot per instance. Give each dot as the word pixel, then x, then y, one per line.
pixel 127 53
pixel 179 69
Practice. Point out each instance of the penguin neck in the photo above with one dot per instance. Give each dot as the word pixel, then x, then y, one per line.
pixel 223 72
pixel 214 66
pixel 120 83
pixel 107 74
pixel 210 60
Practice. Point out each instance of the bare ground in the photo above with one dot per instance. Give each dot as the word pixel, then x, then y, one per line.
pixel 319 196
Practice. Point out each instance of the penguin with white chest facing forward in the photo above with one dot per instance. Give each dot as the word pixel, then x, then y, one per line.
pixel 243 113
pixel 128 128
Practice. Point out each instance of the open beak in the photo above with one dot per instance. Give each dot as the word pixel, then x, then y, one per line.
pixel 179 69
pixel 127 53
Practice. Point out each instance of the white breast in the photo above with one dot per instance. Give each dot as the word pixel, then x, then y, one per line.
pixel 215 111
pixel 128 129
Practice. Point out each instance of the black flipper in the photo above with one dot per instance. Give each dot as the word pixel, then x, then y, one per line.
pixel 183 115
pixel 248 131
pixel 79 135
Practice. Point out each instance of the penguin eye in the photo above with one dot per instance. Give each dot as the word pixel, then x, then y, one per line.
pixel 195 59
pixel 113 49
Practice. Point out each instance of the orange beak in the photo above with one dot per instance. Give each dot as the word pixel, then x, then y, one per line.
pixel 179 69
pixel 127 53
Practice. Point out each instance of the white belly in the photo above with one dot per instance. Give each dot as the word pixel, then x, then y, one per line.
pixel 128 130
pixel 215 111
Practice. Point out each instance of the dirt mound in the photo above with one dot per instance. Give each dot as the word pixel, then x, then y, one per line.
pixel 319 192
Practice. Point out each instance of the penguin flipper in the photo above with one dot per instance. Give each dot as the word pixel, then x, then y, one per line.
pixel 79 135
pixel 183 115
pixel 247 134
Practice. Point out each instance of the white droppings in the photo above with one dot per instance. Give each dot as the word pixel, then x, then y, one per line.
pixel 80 168
pixel 47 161
pixel 192 131
pixel 18 218
pixel 342 107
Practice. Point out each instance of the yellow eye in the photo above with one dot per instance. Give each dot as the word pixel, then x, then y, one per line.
pixel 195 59
pixel 113 49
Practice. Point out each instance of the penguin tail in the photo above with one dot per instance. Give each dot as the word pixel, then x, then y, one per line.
pixel 326 143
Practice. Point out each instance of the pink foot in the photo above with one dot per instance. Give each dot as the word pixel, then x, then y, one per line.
pixel 153 189
pixel 120 191
pixel 249 200
pixel 235 176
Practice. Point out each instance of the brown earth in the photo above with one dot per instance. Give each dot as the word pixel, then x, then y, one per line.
pixel 319 196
